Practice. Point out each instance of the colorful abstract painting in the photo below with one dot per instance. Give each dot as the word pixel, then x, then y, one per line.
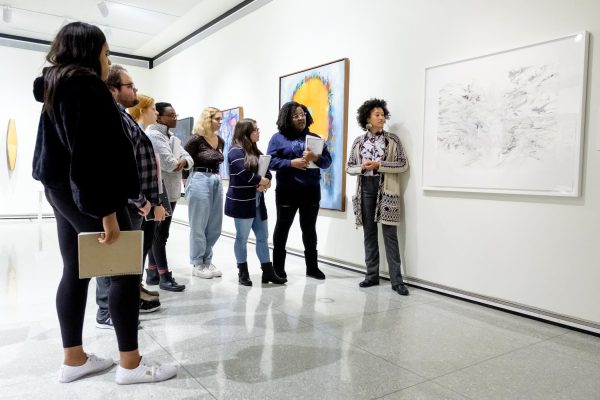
pixel 230 119
pixel 324 91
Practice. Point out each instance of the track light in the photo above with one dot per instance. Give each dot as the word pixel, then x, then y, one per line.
pixel 103 7
pixel 6 14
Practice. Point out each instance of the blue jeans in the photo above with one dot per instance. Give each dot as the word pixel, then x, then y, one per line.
pixel 204 193
pixel 260 228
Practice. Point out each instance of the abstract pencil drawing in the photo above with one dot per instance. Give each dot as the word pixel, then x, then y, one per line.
pixel 509 122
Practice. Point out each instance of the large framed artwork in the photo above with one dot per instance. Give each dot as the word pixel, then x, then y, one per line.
pixel 231 117
pixel 508 122
pixel 324 91
pixel 183 129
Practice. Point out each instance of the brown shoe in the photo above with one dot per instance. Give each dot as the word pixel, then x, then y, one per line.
pixel 148 295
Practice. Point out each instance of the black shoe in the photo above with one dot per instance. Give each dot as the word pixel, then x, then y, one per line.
pixel 280 272
pixel 152 277
pixel 316 273
pixel 269 274
pixel 167 282
pixel 401 289
pixel 243 275
pixel 149 306
pixel 367 283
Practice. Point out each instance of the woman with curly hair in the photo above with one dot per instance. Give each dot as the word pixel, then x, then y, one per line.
pixel 377 159
pixel 204 192
pixel 298 187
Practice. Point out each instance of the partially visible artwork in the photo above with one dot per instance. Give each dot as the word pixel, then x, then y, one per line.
pixel 231 117
pixel 11 145
pixel 183 129
pixel 509 122
pixel 324 90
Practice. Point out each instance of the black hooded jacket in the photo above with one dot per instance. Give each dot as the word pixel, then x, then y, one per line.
pixel 83 147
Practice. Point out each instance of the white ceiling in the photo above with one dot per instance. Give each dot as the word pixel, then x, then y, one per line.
pixel 136 27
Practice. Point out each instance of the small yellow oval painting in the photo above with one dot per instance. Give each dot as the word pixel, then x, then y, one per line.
pixel 11 145
pixel 314 94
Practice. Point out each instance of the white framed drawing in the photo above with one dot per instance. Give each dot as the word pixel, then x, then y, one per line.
pixel 508 122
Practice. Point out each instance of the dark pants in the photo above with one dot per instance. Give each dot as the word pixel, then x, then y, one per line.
pixel 307 204
pixel 103 283
pixel 71 296
pixel 158 253
pixel 370 186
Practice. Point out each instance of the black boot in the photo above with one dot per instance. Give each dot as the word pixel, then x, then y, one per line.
pixel 243 275
pixel 168 283
pixel 152 277
pixel 312 265
pixel 269 274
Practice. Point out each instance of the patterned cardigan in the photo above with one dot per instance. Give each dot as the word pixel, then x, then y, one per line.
pixel 394 161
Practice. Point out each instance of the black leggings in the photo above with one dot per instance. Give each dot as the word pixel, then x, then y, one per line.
pixel 124 297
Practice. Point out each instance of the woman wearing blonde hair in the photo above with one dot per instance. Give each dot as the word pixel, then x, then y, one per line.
pixel 144 112
pixel 204 192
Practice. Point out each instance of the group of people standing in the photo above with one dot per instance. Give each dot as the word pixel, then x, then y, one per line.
pixel 109 163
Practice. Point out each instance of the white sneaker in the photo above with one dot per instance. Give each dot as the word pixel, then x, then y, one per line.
pixel 92 365
pixel 146 372
pixel 202 272
pixel 213 270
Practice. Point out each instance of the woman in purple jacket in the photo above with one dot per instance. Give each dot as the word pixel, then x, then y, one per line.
pixel 245 201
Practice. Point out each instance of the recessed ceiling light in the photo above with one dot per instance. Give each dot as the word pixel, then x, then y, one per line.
pixel 6 14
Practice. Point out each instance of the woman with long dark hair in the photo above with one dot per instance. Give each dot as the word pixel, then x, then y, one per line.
pixel 245 201
pixel 298 187
pixel 85 161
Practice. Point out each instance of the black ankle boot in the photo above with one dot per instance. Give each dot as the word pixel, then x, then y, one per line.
pixel 152 277
pixel 243 275
pixel 269 274
pixel 280 272
pixel 312 265
pixel 168 283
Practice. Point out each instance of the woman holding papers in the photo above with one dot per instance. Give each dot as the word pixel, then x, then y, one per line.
pixel 298 184
pixel 377 159
pixel 204 192
pixel 85 160
pixel 249 178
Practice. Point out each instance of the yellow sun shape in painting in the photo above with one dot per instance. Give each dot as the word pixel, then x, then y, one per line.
pixel 314 95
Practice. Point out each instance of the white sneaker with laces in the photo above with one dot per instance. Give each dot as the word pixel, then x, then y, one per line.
pixel 92 365
pixel 202 272
pixel 146 372
pixel 213 270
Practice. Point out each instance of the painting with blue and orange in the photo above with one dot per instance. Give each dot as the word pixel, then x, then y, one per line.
pixel 230 119
pixel 324 91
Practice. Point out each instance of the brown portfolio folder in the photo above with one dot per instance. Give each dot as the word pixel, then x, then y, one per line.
pixel 123 257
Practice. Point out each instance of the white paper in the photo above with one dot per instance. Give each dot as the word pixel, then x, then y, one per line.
pixel 315 145
pixel 263 165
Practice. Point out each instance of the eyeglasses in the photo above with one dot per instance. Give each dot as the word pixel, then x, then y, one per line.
pixel 296 117
pixel 170 115
pixel 129 85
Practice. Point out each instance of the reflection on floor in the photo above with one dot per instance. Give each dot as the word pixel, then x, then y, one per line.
pixel 305 340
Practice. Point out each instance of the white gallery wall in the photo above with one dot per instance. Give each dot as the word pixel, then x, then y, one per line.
pixel 537 251
pixel 541 252
pixel 19 192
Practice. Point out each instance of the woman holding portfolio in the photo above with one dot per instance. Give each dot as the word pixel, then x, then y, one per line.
pixel 245 201
pixel 298 186
pixel 79 126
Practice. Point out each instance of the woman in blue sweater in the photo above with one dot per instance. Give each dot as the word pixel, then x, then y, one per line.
pixel 298 186
pixel 245 201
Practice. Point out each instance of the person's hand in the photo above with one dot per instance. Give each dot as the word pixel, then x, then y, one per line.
pixel 181 164
pixel 111 229
pixel 145 210
pixel 264 181
pixel 299 163
pixel 308 155
pixel 261 188
pixel 371 165
pixel 159 213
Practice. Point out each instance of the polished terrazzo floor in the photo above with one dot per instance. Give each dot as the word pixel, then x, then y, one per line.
pixel 305 340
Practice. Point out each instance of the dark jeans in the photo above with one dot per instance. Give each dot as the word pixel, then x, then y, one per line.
pixel 307 204
pixel 124 297
pixel 370 186
pixel 103 283
pixel 158 253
